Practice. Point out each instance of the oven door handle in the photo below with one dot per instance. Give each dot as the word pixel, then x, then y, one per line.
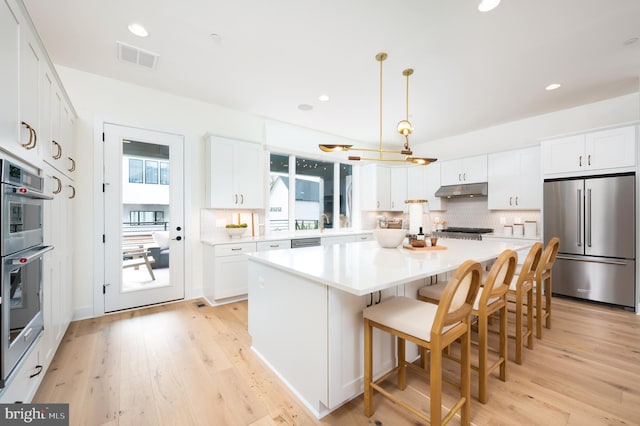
pixel 24 258
pixel 27 193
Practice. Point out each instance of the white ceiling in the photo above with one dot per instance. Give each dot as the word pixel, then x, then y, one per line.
pixel 472 70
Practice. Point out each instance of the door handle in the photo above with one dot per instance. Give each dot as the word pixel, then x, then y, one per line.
pixel 178 238
pixel 579 221
pixel 588 217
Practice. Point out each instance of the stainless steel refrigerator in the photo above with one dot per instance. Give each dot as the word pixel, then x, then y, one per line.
pixel 595 221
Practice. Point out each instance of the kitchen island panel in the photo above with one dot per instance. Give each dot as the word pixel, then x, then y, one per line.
pixel 289 329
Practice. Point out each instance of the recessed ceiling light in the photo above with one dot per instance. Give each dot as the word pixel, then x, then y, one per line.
pixel 138 30
pixel 552 86
pixel 305 107
pixel 487 5
pixel 323 98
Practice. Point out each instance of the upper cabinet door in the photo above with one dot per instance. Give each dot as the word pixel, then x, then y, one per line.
pixel 398 185
pixel 464 170
pixel 234 174
pixel 563 154
pixel 604 151
pixel 611 148
pixel 9 78
pixel 514 180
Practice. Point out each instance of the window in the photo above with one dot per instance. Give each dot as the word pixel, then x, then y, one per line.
pixel 135 171
pixel 150 171
pixel 164 173
pixel 314 193
pixel 138 217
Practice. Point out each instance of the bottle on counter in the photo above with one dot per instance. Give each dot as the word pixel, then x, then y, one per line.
pixel 420 235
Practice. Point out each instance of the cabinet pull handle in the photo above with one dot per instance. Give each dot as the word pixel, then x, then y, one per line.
pixel 73 165
pixel 464 176
pixel 589 160
pixel 236 249
pixel 379 296
pixel 370 300
pixel 39 370
pixel 241 198
pixel 33 136
pixel 516 200
pixel 378 204
pixel 236 195
pixel 459 177
pixel 58 154
pixel 73 192
pixel 580 161
pixel 510 200
pixel 59 188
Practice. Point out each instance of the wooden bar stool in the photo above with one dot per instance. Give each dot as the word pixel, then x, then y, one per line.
pixel 491 298
pixel 543 285
pixel 433 328
pixel 522 287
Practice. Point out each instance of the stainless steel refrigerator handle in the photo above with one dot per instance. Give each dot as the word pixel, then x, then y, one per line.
pixel 24 258
pixel 593 260
pixel 579 221
pixel 588 217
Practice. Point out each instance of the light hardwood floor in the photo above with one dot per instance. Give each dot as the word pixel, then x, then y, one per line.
pixel 185 364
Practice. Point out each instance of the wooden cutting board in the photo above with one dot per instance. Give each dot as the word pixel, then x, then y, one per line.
pixel 408 247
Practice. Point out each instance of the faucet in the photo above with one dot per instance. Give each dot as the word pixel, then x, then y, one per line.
pixel 323 219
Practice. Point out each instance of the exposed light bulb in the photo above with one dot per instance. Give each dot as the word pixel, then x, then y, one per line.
pixel 553 86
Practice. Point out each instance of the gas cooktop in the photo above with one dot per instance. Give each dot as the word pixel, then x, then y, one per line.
pixel 463 233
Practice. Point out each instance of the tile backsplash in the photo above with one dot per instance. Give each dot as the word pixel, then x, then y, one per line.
pixel 474 212
pixel 464 212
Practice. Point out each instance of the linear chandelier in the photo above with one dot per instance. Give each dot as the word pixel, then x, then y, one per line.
pixel 404 127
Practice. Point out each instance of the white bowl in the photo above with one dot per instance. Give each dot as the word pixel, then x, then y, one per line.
pixel 389 238
pixel 235 232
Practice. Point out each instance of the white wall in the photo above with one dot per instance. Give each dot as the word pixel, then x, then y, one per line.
pixel 529 131
pixel 96 98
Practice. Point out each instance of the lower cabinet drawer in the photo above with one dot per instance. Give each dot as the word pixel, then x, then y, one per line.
pixel 273 245
pixel 234 249
pixel 25 380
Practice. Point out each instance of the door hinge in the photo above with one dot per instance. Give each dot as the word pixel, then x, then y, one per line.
pixel 103 187
pixel 103 238
pixel 102 136
pixel 104 289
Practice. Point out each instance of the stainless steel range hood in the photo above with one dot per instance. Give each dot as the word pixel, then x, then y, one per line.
pixel 465 190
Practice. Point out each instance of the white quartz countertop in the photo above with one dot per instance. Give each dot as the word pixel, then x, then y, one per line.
pixel 275 236
pixel 364 267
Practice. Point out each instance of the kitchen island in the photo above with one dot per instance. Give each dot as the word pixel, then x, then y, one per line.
pixel 305 309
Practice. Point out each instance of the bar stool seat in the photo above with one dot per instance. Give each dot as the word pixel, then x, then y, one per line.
pixel 491 298
pixel 433 328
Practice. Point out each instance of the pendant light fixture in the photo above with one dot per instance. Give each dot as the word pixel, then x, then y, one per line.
pixel 404 127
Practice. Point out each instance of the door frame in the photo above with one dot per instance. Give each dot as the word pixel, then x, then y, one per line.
pixel 98 209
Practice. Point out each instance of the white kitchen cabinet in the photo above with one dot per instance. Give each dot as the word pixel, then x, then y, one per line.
pixel 383 188
pixel 515 181
pixel 593 152
pixel 9 79
pixel 227 273
pixel 31 62
pixel 337 239
pixel 273 245
pixel 464 170
pixel 346 344
pixel 58 272
pixel 422 184
pixel 26 378
pixel 234 174
pixel 56 126
pixel 398 185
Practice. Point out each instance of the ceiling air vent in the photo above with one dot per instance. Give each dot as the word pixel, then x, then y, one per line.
pixel 135 55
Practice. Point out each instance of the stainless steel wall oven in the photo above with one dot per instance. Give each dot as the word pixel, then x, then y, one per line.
pixel 22 251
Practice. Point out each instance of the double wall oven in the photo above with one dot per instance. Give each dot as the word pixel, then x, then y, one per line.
pixel 22 251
